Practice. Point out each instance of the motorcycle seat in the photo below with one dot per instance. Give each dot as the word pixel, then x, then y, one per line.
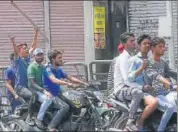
pixel 125 105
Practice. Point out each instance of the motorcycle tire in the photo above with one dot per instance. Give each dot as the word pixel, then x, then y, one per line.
pixel 22 126
pixel 113 120
pixel 121 123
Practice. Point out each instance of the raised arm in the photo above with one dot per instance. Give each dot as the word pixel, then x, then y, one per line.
pixel 34 43
pixel 16 50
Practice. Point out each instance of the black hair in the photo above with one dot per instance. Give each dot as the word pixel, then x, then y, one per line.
pixel 21 44
pixel 156 40
pixel 11 57
pixel 53 53
pixel 142 37
pixel 125 36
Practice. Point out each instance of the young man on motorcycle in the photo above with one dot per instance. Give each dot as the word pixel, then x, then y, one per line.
pixel 21 61
pixel 53 76
pixel 156 73
pixel 9 76
pixel 124 92
pixel 138 64
pixel 34 74
pixel 110 81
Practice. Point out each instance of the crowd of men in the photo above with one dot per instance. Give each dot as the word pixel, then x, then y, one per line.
pixel 144 77
pixel 140 77
pixel 35 81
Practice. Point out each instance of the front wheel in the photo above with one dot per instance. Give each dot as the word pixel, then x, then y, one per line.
pixel 18 125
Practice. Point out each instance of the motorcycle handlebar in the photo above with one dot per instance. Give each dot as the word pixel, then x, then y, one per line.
pixel 174 88
pixel 86 85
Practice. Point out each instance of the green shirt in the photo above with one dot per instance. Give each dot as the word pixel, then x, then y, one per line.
pixel 35 72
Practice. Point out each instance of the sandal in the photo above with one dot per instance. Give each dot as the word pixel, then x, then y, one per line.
pixel 39 124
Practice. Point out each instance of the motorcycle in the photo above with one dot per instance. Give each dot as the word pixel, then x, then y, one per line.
pixel 10 122
pixel 151 124
pixel 85 114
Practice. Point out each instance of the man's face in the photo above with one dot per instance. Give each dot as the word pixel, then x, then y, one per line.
pixel 159 49
pixel 145 46
pixel 39 58
pixel 131 43
pixel 58 61
pixel 23 50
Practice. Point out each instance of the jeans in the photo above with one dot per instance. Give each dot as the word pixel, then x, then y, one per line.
pixel 167 108
pixel 134 95
pixel 14 102
pixel 62 107
pixel 27 95
pixel 46 102
pixel 172 99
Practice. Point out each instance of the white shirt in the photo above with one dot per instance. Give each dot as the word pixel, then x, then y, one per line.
pixel 121 71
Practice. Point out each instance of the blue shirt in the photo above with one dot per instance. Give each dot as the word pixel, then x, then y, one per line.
pixel 53 88
pixel 9 74
pixel 135 63
pixel 21 65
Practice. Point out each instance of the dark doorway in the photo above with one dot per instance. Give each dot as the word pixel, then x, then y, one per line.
pixel 115 26
pixel 117 23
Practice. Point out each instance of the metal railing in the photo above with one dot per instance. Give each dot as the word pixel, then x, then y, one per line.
pixel 101 77
pixel 2 82
pixel 94 74
pixel 78 66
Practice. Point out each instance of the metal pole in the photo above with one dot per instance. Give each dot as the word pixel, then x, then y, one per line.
pixel 177 43
pixel 28 18
pixel 177 55
pixel 47 27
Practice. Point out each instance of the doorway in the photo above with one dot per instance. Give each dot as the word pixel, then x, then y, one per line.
pixel 117 23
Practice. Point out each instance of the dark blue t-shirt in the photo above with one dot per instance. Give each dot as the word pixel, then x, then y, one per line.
pixel 21 65
pixel 53 88
pixel 9 74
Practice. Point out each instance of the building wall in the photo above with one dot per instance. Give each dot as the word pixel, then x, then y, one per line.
pixel 67 30
pixel 148 17
pixel 144 16
pixel 13 23
pixel 66 27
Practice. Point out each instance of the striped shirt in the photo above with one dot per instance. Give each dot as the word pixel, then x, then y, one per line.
pixel 110 81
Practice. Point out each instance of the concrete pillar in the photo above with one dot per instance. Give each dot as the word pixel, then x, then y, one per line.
pixel 88 31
